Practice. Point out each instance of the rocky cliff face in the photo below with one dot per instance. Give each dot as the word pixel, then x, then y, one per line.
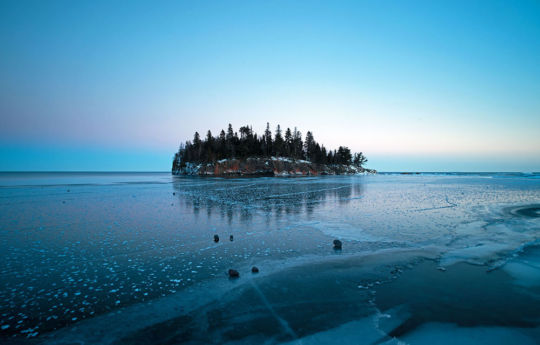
pixel 265 167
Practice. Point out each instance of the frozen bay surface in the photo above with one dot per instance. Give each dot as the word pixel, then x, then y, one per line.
pixel 115 258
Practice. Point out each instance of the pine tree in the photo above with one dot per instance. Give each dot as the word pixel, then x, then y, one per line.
pixel 267 140
pixel 208 147
pixel 222 145
pixel 230 145
pixel 288 142
pixel 197 146
pixel 245 141
pixel 359 159
pixel 297 144
pixel 309 146
pixel 324 156
pixel 230 133
pixel 344 155
pixel 331 157
pixel 278 142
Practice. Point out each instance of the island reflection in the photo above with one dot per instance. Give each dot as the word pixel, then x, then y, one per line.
pixel 268 197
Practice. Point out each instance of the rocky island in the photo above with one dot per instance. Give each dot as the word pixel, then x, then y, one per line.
pixel 248 154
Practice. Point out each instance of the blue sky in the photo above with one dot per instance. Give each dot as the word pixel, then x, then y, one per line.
pixel 415 85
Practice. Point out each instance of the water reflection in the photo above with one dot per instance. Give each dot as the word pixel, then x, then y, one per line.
pixel 270 197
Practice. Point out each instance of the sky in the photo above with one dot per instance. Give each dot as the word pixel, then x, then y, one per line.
pixel 414 85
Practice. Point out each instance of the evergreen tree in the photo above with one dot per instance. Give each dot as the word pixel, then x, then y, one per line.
pixel 209 152
pixel 197 146
pixel 297 144
pixel 278 143
pixel 230 145
pixel 309 146
pixel 267 139
pixel 344 155
pixel 245 141
pixel 222 145
pixel 244 132
pixel 331 157
pixel 323 155
pixel 359 159
pixel 230 133
pixel 288 142
pixel 236 143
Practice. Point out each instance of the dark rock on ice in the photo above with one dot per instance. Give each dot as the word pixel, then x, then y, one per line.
pixel 254 269
pixel 337 244
pixel 233 273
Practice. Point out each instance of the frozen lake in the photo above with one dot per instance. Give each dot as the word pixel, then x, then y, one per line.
pixel 130 258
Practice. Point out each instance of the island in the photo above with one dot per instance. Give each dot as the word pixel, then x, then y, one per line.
pixel 248 154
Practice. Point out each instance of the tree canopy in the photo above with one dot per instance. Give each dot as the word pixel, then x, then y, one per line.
pixel 228 145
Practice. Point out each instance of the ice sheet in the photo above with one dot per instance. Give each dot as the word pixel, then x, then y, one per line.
pixel 75 247
pixel 441 333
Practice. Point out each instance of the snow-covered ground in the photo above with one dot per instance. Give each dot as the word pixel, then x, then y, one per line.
pixel 120 258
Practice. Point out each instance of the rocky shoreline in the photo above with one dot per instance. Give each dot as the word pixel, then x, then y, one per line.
pixel 273 166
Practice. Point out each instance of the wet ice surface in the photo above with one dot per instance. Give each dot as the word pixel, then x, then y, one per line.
pixel 130 258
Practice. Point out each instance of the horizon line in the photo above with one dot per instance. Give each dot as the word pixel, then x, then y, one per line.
pixel 168 171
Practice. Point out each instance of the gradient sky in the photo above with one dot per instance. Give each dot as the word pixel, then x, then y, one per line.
pixel 415 85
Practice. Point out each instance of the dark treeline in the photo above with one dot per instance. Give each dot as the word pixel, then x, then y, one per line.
pixel 248 144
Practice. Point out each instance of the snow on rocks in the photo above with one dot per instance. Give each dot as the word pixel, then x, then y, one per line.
pixel 272 166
